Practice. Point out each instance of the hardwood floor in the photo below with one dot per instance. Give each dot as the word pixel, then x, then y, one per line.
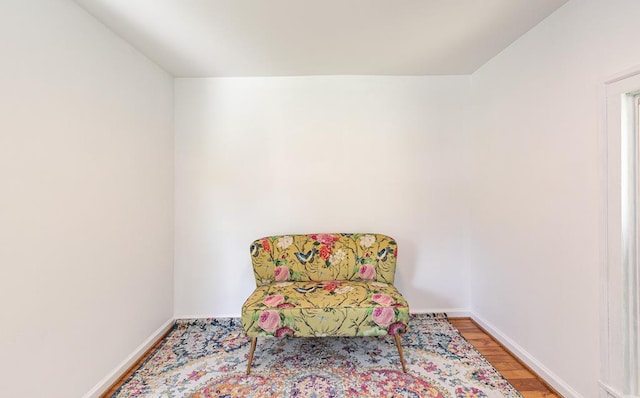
pixel 525 381
pixel 121 380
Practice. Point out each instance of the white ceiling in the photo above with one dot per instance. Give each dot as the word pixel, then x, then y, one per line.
pixel 198 38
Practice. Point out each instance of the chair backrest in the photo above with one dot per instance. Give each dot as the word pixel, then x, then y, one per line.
pixel 323 257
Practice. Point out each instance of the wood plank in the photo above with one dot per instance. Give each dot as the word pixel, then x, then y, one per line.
pixel 483 343
pixel 508 364
pixel 120 381
pixel 516 374
pixel 476 335
pixel 537 394
pixel 528 384
pixel 514 370
pixel 493 351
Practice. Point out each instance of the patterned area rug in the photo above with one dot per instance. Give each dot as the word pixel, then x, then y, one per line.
pixel 208 358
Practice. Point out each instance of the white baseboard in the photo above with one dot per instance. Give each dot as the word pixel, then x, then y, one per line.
pixel 606 391
pixel 556 382
pixel 110 378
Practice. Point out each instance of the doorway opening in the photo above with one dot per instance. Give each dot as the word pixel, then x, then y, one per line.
pixel 620 307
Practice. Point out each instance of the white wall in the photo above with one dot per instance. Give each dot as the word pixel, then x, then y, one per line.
pixel 535 185
pixel 86 202
pixel 263 156
pixel 86 199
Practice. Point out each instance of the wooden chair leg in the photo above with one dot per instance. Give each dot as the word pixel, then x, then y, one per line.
pixel 397 338
pixel 254 340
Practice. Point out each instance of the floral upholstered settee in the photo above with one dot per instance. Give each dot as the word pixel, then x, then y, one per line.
pixel 325 285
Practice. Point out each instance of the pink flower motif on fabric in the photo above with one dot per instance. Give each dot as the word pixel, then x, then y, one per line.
pixel 327 239
pixel 284 332
pixel 397 328
pixel 383 316
pixel 273 301
pixel 269 320
pixel 281 274
pixel 383 299
pixel 367 272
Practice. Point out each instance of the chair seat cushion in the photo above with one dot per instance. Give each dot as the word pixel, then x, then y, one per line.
pixel 325 308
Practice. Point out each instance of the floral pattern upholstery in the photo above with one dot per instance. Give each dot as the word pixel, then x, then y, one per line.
pixel 325 285
pixel 321 257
